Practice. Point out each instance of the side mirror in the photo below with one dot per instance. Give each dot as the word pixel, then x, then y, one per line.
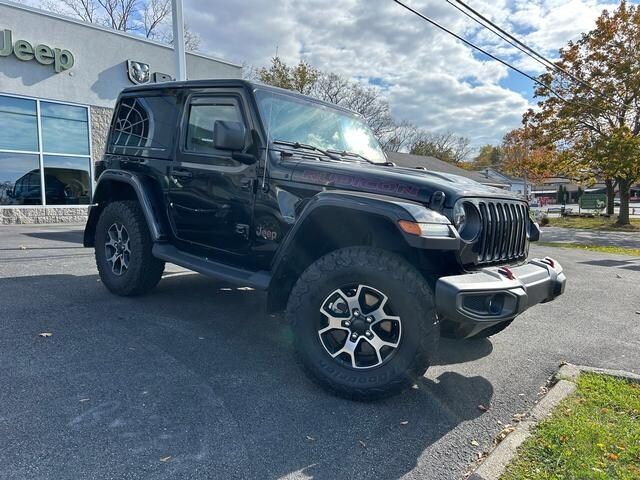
pixel 228 135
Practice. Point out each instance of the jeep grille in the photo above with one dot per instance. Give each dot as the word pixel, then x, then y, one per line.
pixel 503 236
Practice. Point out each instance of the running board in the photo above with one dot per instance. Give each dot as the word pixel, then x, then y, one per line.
pixel 258 280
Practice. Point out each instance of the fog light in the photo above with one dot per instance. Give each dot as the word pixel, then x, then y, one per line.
pixel 495 304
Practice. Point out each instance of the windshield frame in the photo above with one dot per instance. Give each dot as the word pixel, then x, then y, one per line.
pixel 260 92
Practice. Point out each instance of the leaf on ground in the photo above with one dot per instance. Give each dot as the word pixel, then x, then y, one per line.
pixel 45 334
pixel 518 417
pixel 362 444
pixel 166 459
pixel 612 456
pixel 503 433
pixel 474 443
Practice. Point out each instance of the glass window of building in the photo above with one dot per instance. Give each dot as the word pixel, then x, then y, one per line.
pixel 62 162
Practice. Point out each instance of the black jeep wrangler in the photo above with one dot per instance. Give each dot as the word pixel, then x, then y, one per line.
pixel 276 191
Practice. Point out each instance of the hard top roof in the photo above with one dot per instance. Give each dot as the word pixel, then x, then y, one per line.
pixel 230 82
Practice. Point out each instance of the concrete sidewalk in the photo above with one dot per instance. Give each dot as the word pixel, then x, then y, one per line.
pixel 590 237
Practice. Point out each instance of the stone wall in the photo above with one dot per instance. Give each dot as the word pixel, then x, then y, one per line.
pixel 100 121
pixel 39 215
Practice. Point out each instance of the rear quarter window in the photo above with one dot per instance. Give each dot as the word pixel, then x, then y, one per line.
pixel 144 126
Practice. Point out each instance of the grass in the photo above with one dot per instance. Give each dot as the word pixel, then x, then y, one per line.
pixel 593 434
pixel 595 223
pixel 635 252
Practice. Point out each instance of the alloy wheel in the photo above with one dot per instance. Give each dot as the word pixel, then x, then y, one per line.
pixel 359 328
pixel 117 249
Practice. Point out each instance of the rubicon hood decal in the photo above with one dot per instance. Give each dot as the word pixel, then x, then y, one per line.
pixel 381 185
pixel 412 184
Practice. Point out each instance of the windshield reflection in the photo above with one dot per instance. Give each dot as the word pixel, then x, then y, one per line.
pixel 298 120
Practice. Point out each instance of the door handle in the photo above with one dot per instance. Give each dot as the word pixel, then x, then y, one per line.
pixel 181 173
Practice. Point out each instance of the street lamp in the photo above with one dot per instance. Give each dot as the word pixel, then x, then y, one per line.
pixel 178 40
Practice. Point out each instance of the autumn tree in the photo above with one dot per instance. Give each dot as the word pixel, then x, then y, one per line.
pixel 447 147
pixel 524 156
pixel 489 156
pixel 594 122
pixel 301 77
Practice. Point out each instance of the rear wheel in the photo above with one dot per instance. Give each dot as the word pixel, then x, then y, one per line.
pixel 364 322
pixel 123 250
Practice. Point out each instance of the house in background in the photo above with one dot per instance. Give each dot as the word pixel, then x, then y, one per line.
pixel 434 165
pixel 515 184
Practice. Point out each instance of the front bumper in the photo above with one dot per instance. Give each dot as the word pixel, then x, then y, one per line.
pixel 476 301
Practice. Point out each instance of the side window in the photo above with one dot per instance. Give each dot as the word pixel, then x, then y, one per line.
pixel 144 126
pixel 203 113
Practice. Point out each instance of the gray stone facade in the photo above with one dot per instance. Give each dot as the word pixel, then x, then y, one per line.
pixel 100 121
pixel 38 215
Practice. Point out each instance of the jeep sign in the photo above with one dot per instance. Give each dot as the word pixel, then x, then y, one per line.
pixel 43 54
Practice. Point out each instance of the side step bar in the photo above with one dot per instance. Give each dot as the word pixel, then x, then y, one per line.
pixel 258 280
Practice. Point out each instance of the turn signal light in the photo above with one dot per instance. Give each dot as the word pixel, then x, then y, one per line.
pixel 438 230
pixel 411 228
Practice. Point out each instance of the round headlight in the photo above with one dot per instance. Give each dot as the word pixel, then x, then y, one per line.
pixel 466 219
pixel 459 217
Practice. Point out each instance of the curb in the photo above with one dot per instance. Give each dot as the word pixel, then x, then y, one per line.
pixel 494 464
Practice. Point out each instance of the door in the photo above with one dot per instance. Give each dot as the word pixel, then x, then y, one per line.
pixel 211 195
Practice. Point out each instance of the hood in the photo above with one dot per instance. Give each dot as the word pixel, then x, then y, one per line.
pixel 402 182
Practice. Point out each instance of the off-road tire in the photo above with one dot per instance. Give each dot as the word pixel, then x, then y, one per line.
pixel 144 270
pixel 491 331
pixel 405 288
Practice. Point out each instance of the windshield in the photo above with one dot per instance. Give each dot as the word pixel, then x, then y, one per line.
pixel 297 120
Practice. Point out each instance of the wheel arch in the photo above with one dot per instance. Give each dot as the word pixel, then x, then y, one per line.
pixel 334 220
pixel 119 185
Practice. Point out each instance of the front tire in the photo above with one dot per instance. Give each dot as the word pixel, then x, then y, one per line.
pixel 123 250
pixel 364 322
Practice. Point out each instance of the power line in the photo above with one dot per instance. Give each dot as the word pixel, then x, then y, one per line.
pixel 493 57
pixel 472 45
pixel 515 42
pixel 497 31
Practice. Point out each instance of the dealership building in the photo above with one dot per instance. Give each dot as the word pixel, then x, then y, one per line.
pixel 59 80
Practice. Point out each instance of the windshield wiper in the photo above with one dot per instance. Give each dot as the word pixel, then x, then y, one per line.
pixel 298 145
pixel 354 154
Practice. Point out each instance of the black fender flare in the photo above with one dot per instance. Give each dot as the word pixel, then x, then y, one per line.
pixel 392 209
pixel 144 191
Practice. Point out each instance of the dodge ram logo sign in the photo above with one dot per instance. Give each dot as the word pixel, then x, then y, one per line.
pixel 139 73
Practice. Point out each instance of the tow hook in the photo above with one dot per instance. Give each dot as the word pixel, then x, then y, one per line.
pixel 549 261
pixel 506 271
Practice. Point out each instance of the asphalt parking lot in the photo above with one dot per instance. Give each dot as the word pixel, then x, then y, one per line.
pixel 196 381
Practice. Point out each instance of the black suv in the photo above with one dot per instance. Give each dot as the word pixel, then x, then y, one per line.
pixel 276 191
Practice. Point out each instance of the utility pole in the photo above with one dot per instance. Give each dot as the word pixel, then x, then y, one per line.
pixel 178 40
